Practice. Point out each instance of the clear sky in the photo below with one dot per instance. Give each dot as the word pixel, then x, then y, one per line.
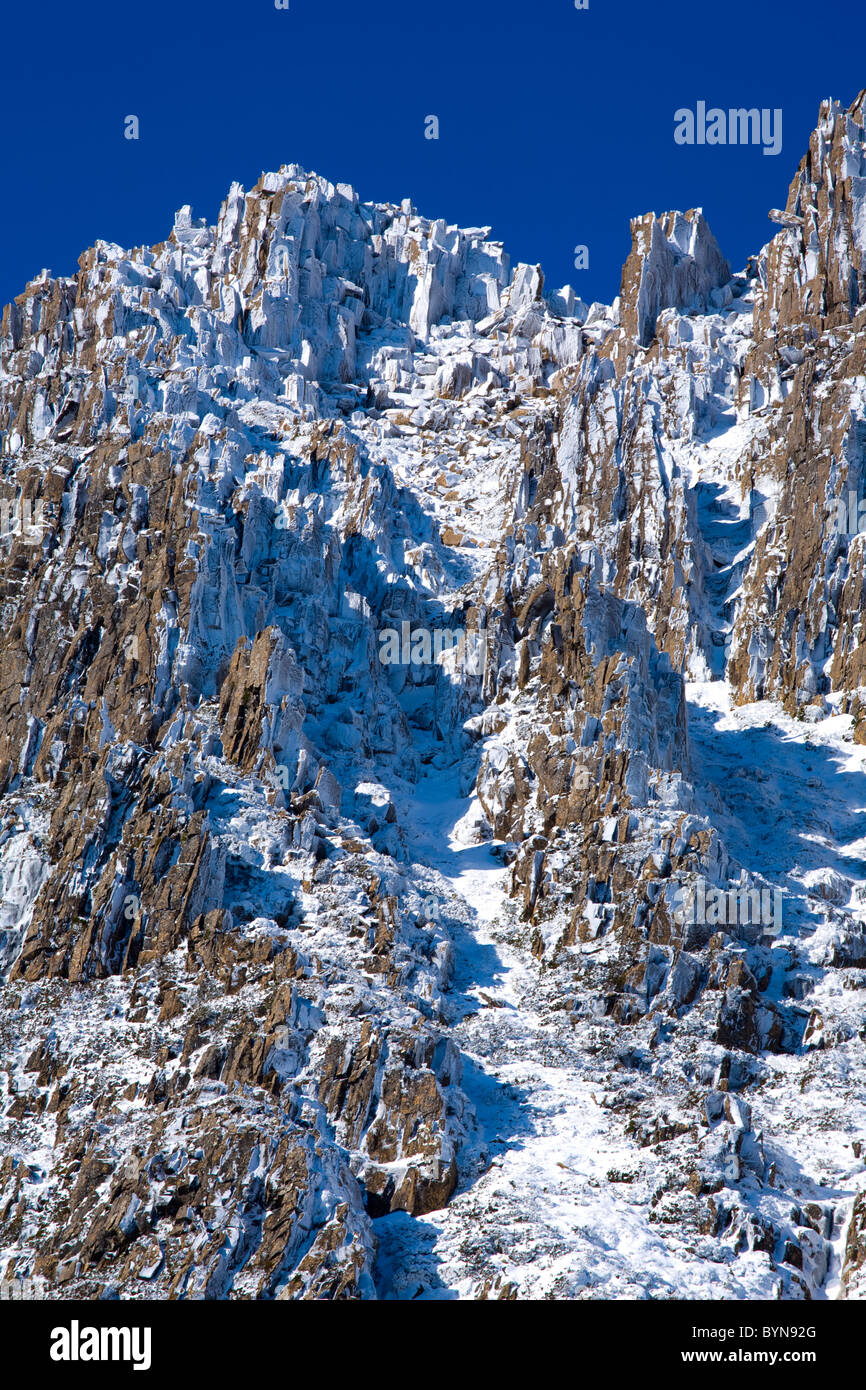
pixel 556 125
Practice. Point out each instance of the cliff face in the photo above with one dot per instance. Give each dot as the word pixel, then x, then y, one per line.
pixel 300 943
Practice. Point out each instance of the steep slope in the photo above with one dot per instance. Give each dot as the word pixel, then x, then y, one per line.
pixel 335 967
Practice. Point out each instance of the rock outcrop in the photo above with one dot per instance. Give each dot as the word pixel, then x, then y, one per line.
pixel 252 479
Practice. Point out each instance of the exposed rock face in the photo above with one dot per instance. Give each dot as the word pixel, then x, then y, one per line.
pixel 241 956
pixel 675 263
pixel 815 269
pixel 855 1251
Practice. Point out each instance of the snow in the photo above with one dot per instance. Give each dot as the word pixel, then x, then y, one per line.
pixel 564 1192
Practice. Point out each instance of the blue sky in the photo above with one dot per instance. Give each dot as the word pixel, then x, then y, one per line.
pixel 556 125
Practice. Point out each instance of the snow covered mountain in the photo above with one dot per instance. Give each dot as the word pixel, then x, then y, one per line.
pixel 432 753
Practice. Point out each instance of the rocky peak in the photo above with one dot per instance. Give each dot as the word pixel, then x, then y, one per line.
pixel 288 912
pixel 674 263
pixel 815 275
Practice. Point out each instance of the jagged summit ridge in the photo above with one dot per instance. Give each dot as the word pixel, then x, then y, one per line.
pixel 326 976
pixel 297 270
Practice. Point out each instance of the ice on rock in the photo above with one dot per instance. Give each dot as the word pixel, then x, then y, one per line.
pixel 385 957
pixel 675 263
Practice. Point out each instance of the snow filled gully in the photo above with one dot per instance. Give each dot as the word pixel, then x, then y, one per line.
pixel 554 1198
